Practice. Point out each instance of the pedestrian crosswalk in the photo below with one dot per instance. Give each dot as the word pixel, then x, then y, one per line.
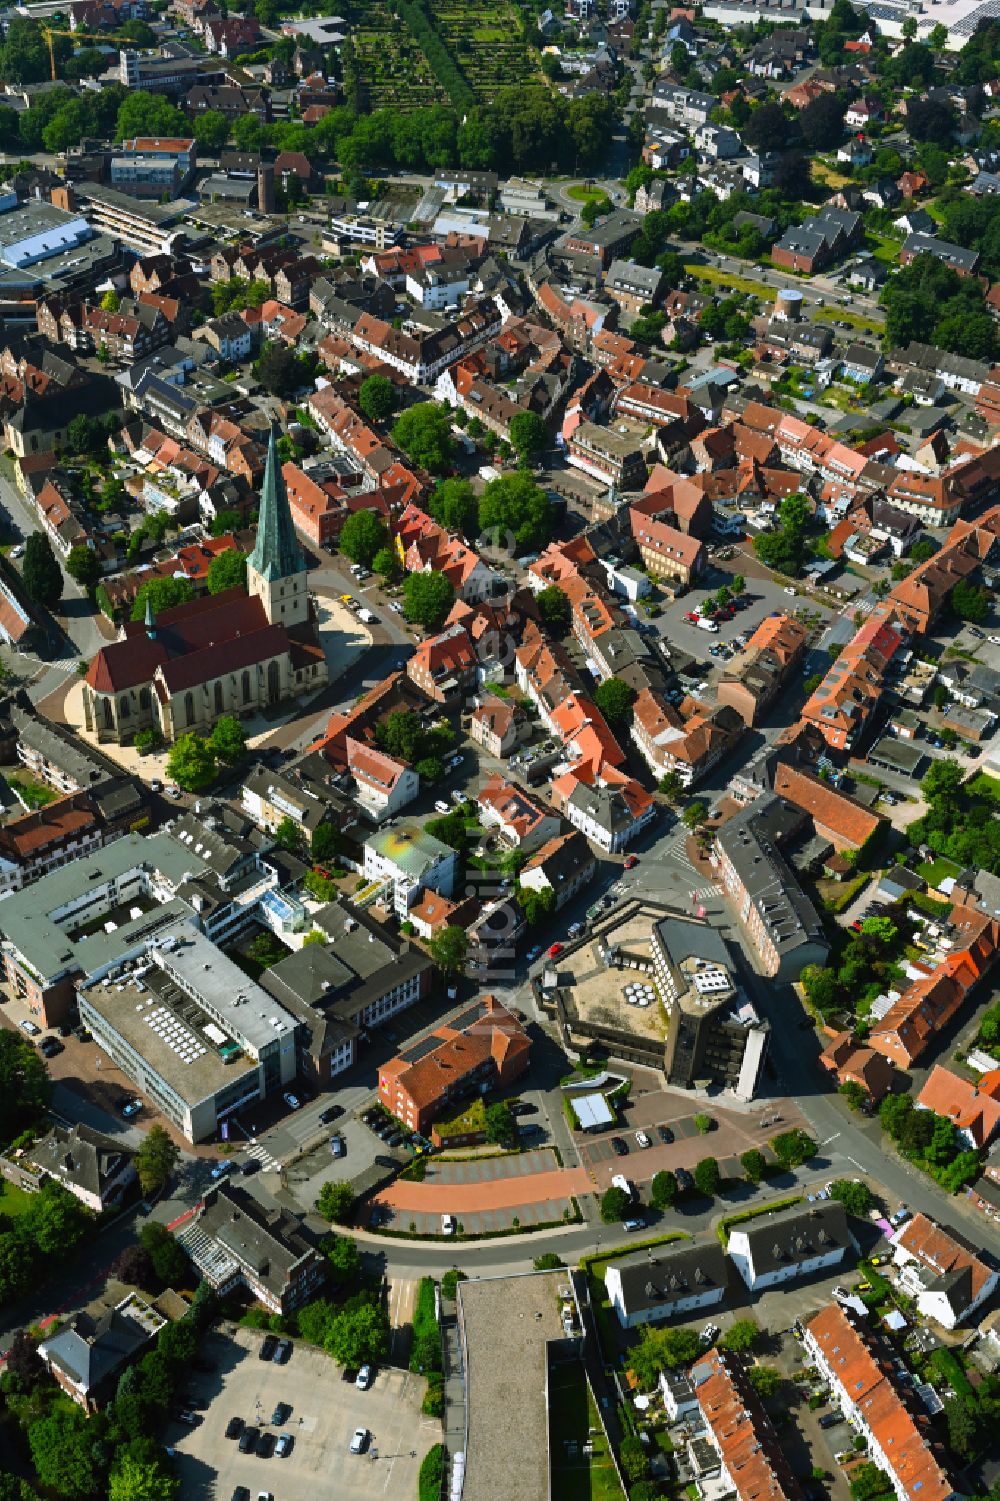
pixel 268 1163
pixel 675 850
pixel 705 893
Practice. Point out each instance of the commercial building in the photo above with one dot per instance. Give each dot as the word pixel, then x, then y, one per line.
pixel 235 1242
pixel 862 1371
pixel 789 1244
pixel 86 917
pixel 778 917
pixel 411 861
pixel 484 1047
pixel 680 1279
pixel 148 228
pixel 342 989
pixel 192 1031
pixel 714 1034
pixel 612 455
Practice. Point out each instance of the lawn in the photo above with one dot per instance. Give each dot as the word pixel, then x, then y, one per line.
pixel 725 278
pixel 472 1118
pixel 34 794
pixel 573 1419
pixel 935 871
pixel 582 194
pixel 818 310
pixel 885 249
pixel 13 1200
pixel 827 176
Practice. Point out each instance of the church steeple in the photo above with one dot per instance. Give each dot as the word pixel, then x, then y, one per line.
pixel 276 554
pixel 150 621
pixel 276 569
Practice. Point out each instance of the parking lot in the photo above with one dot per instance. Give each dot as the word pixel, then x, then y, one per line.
pixel 763 595
pixel 325 1411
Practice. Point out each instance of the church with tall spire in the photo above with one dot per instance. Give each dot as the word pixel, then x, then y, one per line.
pixel 232 653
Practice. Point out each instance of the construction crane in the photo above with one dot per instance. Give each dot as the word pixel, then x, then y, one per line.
pixel 50 31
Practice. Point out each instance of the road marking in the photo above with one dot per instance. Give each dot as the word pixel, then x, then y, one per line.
pixel 828 1140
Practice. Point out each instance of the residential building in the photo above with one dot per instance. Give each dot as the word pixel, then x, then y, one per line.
pixel 929 1002
pixel 88 1357
pixel 851 1062
pixel 955 257
pixel 846 700
pixel 778 917
pixel 679 1279
pixel 753 679
pixel 633 287
pixel 610 808
pixel 612 455
pixel 483 1047
pixel 790 1243
pixel 949 1277
pixel 752 1458
pixel 384 785
pixel 845 822
pixel 862 1369
pixel 565 865
pixel 444 667
pixel 411 861
pixel 674 556
pixel 236 1243
pixel 973 1109
pixel 499 725
pixel 819 241
pixel 688 739
pixel 521 822
pixel 95 1169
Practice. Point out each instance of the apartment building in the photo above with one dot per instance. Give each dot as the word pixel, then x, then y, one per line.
pixel 681 1279
pixel 777 916
pixel 751 1455
pixel 483 1047
pixel 564 865
pixel 689 743
pixel 412 861
pixel 384 785
pixel 672 555
pixel 861 1369
pixel 521 822
pixel 612 455
pixel 790 1243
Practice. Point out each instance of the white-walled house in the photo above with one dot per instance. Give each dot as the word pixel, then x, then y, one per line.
pixel 678 1279
pixel 789 1244
pixel 948 1276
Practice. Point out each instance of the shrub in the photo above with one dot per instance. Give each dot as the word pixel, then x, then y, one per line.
pixel 431 1475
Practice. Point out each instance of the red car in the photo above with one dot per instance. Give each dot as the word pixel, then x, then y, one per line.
pixel 631 861
pixel 555 950
pixel 692 617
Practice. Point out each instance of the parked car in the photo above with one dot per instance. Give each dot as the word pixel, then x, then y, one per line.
pixel 448 1225
pixel 330 1114
pixel 251 1166
pixel 221 1170
pixel 619 1146
pixel 685 1182
pixel 50 1046
pixel 30 1028
pixel 533 954
pixel 130 1108
pixel 284 1445
pixel 630 862
pixel 643 1139
pixel 248 1440
pixel 359 1441
pixel 555 949
pixel 338 1146
pixel 292 1101
pixel 268 1347
pixel 441 806
pixel 282 1412
pixel 665 1134
pixel 265 1446
pixel 283 1352
pixel 364 1378
pixel 234 1427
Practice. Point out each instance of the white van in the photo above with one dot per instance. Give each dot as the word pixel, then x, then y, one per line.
pixel 704 624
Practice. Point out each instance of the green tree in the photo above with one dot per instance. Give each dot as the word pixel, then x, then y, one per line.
pixel 336 1203
pixel 615 1204
pixel 634 1459
pixel 191 762
pixel 227 739
pixel 279 371
pixel 501 1127
pixel 662 1350
pixel 226 521
pixel 315 1319
pixel 516 513
pixel 324 846
pixel 362 536
pixel 131 1480
pixel 84 566
pixel 386 563
pixel 342 1258
pixel 969 602
pixel 868 1482
pixel 792 1148
pixel 857 1198
pixel 663 1190
pixel 156 1159
pixel 169 1261
pixel 358 1332
pixel 448 947
pixel 211 131
pixel 163 594
pixel 377 398
pixel 942 783
pixel 40 573
pixel 455 506
pixel 431 1477
pixel 742 1337
pixel 427 599
pixel 63 1450
pixel 424 434
pixel 555 608
pixel 703 1124
pixel 529 437
pixel 547 1262
pixel 754 1165
pixel 536 905
pixel 227 571
pixel 25 1088
pixel 695 813
pixel 707 1177
pixel 143 114
pixel 882 929
pixel 765 1380
pixel 615 698
pixel 451 1279
pixel 671 785
pixel 289 835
